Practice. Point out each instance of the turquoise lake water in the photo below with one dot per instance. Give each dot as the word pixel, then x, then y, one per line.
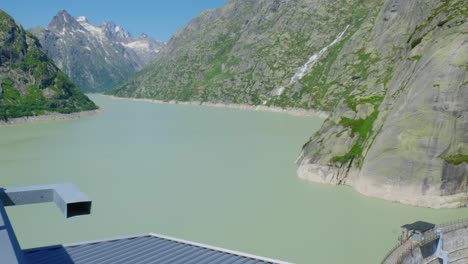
pixel 217 176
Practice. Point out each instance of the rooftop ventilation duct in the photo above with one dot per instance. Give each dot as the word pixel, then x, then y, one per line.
pixel 66 196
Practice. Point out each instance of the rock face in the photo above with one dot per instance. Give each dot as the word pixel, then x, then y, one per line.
pixel 412 147
pixel 30 83
pixel 245 51
pixel 392 72
pixel 95 57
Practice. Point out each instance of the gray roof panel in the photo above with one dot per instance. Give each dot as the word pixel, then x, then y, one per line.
pixel 143 249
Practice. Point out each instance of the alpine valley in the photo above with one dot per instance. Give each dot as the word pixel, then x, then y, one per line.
pixel 255 128
pixel 392 74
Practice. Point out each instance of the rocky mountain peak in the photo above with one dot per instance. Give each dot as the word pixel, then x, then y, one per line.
pixel 115 32
pixel 96 57
pixel 63 21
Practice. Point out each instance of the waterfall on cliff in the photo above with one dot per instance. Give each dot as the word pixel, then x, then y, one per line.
pixel 300 73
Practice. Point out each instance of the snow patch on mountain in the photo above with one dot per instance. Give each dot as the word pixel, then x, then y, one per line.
pixel 95 31
pixel 137 45
pixel 82 19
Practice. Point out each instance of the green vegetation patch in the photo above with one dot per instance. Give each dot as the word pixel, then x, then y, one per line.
pixel 67 100
pixel 12 104
pixel 316 82
pixel 361 126
pixel 456 159
pixel 416 42
pixel 416 57
pixel 353 103
pixel 450 9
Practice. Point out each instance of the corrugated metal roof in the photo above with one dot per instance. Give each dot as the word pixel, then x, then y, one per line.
pixel 150 248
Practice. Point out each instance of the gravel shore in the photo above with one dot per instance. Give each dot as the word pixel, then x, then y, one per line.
pixel 48 117
pixel 263 108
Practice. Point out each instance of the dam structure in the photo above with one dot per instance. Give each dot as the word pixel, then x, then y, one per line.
pixel 425 243
pixel 145 248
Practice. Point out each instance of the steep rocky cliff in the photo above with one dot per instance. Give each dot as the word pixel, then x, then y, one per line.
pixel 391 72
pixel 95 57
pixel 30 83
pixel 402 133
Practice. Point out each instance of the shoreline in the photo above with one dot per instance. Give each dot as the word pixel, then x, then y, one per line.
pixel 408 195
pixel 262 108
pixel 52 116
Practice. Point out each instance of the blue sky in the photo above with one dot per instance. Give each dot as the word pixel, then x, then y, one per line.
pixel 159 19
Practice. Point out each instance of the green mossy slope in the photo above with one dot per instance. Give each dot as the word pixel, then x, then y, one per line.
pixel 30 83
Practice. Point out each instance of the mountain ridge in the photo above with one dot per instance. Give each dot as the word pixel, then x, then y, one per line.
pixel 30 83
pixel 95 57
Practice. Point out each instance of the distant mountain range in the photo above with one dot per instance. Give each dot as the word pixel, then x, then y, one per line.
pixel 95 57
pixel 30 83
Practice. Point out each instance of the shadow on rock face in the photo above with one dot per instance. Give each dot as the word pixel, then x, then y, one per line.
pixel 454 178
